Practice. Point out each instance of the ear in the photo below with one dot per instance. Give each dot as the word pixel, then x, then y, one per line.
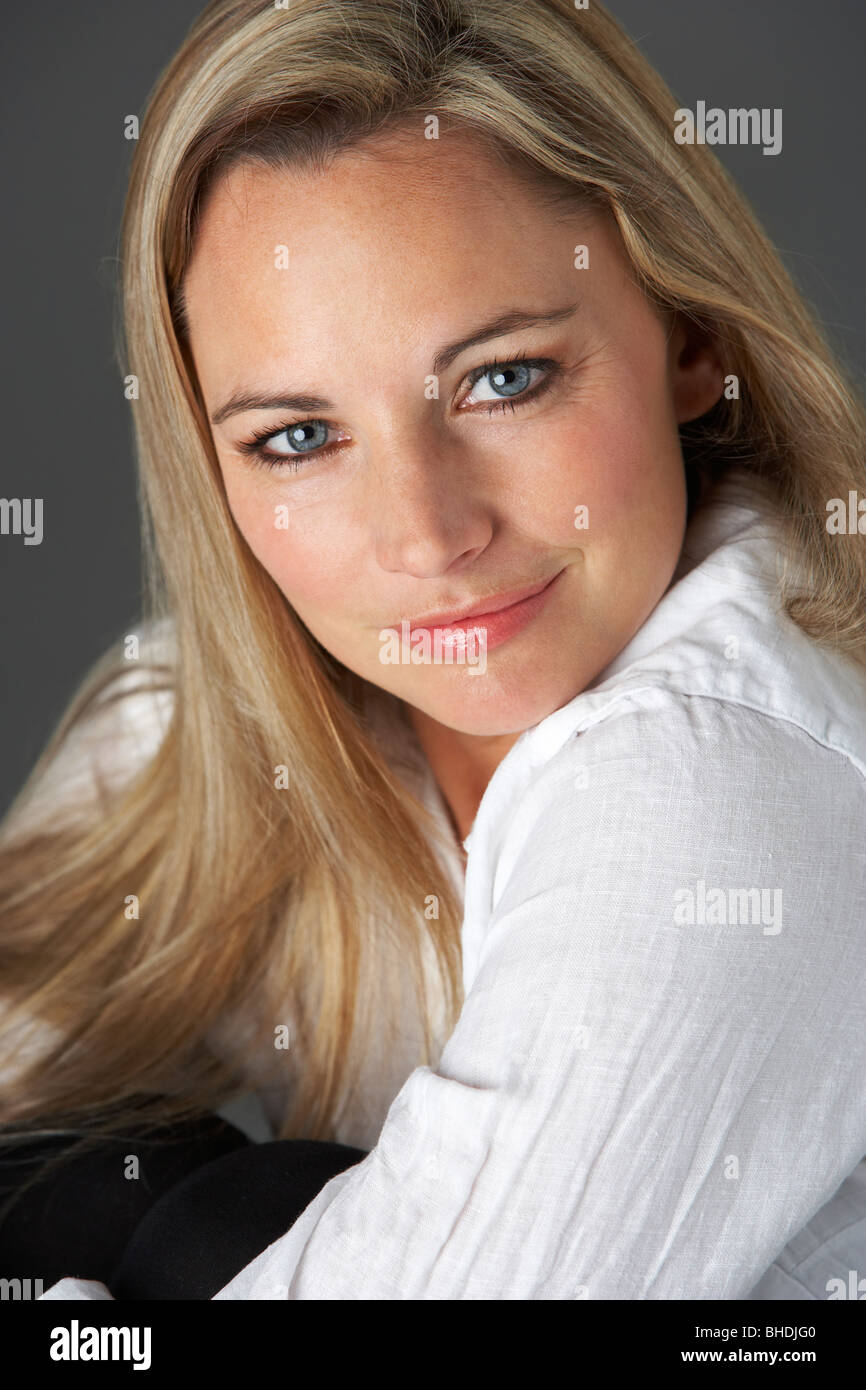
pixel 695 370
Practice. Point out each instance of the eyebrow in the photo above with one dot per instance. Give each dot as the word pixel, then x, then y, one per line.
pixel 513 321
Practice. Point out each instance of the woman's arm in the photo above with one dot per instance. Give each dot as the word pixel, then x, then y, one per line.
pixel 631 1106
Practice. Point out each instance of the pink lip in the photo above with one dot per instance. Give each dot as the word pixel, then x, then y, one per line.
pixel 510 613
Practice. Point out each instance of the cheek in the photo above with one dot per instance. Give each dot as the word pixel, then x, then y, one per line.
pixel 612 458
pixel 307 559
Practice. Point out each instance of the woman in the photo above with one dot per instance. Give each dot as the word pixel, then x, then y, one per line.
pixel 488 455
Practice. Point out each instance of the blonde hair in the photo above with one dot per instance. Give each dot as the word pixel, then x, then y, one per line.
pixel 252 895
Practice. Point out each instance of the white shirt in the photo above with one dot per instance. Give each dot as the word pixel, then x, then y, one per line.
pixel 656 1088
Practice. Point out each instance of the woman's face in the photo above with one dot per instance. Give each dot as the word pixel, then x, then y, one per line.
pixel 454 406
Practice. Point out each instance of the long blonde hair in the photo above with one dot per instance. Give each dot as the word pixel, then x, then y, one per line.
pixel 253 895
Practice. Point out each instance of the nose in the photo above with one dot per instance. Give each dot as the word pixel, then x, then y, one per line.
pixel 425 518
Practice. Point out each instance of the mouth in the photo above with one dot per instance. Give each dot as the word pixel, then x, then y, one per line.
pixel 501 617
pixel 484 608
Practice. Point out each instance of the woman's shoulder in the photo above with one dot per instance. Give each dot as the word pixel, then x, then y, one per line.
pixel 654 740
pixel 670 804
pixel 138 694
pixel 653 757
pixel 112 729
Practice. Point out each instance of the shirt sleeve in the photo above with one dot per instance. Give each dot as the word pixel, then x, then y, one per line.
pixel 659 1072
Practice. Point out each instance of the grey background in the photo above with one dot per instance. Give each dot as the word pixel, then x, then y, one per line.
pixel 70 73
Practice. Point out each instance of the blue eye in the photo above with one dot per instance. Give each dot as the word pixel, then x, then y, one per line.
pixel 503 384
pixel 510 381
pixel 309 434
pixel 511 384
pixel 302 437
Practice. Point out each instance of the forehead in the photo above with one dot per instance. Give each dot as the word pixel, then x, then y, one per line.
pixel 397 230
pixel 397 179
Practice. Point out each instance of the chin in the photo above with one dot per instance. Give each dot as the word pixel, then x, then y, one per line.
pixel 492 710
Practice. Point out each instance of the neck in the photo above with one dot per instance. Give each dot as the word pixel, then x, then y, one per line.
pixel 462 764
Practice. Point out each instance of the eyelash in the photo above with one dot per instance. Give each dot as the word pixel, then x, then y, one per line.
pixel 262 458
